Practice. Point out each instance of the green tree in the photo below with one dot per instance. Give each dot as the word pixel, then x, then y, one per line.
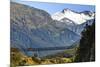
pixel 86 50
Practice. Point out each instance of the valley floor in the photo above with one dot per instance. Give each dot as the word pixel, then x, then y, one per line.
pixel 18 59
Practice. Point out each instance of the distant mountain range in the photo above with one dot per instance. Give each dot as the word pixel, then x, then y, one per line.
pixel 35 28
pixel 73 20
pixel 71 17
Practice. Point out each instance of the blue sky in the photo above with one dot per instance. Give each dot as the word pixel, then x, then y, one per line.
pixel 51 8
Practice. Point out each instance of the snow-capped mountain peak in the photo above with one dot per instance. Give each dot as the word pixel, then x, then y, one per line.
pixel 66 10
pixel 77 17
